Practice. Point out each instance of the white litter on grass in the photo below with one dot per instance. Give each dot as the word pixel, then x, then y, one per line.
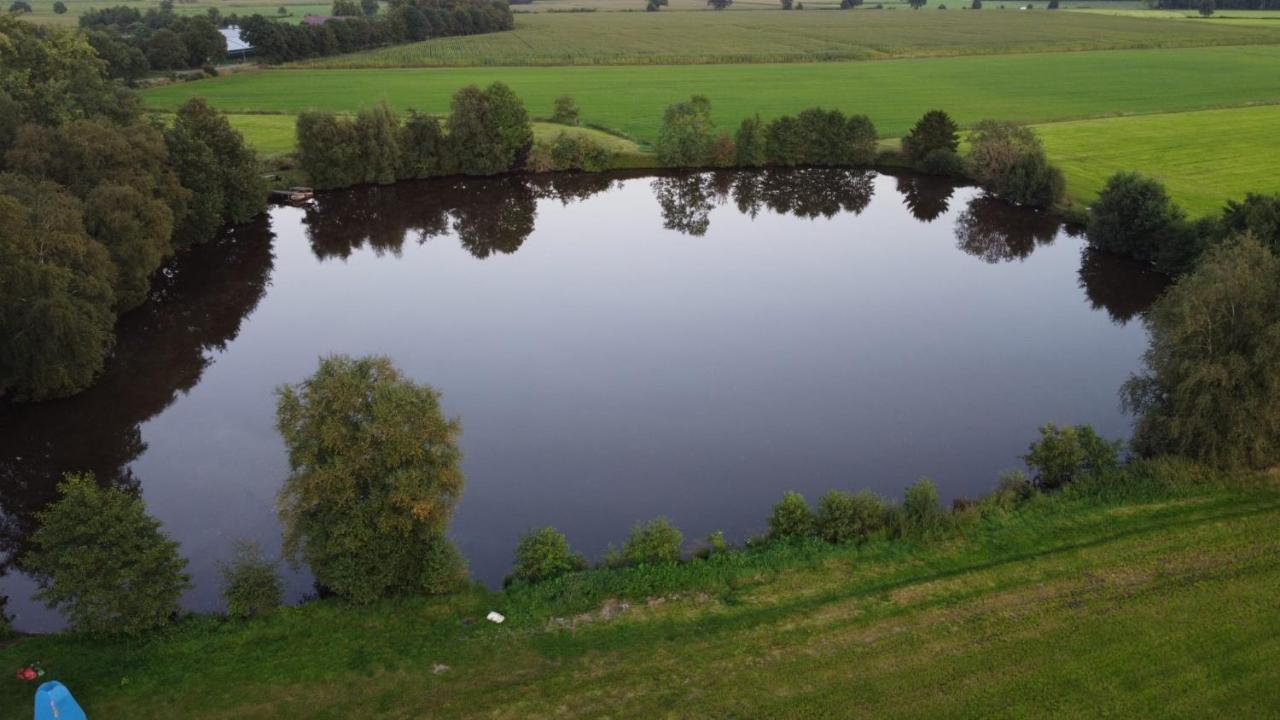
pixel 495 617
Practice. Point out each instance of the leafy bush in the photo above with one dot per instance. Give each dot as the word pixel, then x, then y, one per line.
pixel 722 151
pixel 920 506
pixel 565 111
pixel 1209 390
pixel 942 162
pixel 845 517
pixel 749 143
pixel 1009 161
pixel 1065 454
pixel 442 569
pixel 575 151
pixel 1134 216
pixel 103 562
pixel 1012 489
pixel 544 554
pixel 375 474
pixel 935 130
pixel 1031 180
pixel 791 518
pixel 687 134
pixel 651 543
pixel 1258 215
pixel 250 585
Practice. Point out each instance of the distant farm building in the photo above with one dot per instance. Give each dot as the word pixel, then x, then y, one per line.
pixel 316 19
pixel 237 48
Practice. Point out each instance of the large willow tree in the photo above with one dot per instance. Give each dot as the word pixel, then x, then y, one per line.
pixel 1211 389
pixel 375 475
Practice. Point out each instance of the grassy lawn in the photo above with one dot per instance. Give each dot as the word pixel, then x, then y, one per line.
pixel 1157 601
pixel 1030 88
pixel 1202 157
pixel 741 37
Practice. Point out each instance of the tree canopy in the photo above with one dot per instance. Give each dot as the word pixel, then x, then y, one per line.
pixel 104 562
pixel 1211 386
pixel 374 477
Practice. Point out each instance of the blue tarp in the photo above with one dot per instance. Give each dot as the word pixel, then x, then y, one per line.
pixel 54 702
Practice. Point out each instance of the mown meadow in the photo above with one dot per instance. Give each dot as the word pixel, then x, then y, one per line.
pixel 894 94
pixel 1105 599
pixel 1202 157
pixel 610 38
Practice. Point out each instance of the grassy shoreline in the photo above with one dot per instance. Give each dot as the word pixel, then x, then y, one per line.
pixel 1129 597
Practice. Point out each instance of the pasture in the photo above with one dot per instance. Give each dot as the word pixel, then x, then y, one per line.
pixel 1123 98
pixel 1202 157
pixel 630 99
pixel 608 38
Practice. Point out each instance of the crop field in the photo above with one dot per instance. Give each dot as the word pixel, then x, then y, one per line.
pixel 42 10
pixel 604 38
pixel 1202 157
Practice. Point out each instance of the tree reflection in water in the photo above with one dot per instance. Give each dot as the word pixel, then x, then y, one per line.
pixel 995 231
pixel 196 307
pixel 928 197
pixel 488 215
pixel 687 199
pixel 1124 288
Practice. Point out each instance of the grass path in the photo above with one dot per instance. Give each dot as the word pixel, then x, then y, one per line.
pixel 1158 605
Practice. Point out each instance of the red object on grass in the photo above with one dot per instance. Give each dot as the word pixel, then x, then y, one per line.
pixel 27 673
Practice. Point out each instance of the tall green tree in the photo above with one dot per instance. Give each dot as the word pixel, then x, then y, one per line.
pixel 375 475
pixel 53 76
pixel 749 143
pixel 1211 386
pixel 687 133
pixel 935 130
pixel 56 295
pixel 135 229
pixel 378 133
pixel 489 130
pixel 423 149
pixel 328 149
pixel 100 559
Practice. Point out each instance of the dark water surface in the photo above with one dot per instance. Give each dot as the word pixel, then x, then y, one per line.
pixel 616 348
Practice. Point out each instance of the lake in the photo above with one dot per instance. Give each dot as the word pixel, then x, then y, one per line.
pixel 617 347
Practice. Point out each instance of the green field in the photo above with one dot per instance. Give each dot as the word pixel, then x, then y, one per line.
pixel 894 94
pixel 1137 601
pixel 740 37
pixel 1202 157
pixel 1206 158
